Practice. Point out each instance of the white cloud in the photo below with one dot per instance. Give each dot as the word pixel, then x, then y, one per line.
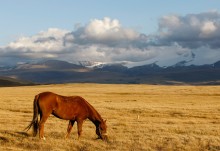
pixel 171 21
pixel 103 32
pixel 178 38
pixel 108 29
pixel 191 31
pixel 51 40
pixel 208 28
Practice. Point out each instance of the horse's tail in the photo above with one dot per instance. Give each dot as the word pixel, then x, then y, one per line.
pixel 34 121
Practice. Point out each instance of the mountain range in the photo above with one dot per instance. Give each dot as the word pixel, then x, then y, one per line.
pixel 55 71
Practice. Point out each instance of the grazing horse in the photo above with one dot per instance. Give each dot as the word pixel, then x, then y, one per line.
pixel 72 108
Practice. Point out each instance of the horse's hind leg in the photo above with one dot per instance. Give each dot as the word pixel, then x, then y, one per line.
pixel 69 128
pixel 41 125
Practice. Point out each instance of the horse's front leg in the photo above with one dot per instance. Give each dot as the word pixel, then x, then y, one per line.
pixel 79 127
pixel 69 128
pixel 98 132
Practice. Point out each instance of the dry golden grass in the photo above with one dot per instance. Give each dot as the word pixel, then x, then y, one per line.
pixel 139 117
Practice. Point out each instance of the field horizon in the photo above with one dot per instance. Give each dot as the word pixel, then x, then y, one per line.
pixel 139 117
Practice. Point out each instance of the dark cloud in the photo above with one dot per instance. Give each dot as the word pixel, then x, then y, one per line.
pixel 45 39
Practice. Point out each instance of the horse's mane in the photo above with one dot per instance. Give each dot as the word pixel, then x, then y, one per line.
pixel 94 111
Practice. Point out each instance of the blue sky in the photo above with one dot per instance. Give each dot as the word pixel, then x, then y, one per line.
pixel 28 18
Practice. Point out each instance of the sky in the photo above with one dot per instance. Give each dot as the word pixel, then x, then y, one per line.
pixel 133 32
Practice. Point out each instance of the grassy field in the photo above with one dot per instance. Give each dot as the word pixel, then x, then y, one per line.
pixel 139 117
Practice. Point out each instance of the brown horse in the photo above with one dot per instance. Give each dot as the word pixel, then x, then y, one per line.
pixel 72 108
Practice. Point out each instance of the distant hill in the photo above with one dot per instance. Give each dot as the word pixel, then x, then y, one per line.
pixel 49 64
pixel 54 71
pixel 8 82
pixel 56 64
pixel 216 65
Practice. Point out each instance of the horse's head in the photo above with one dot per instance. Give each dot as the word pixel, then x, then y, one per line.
pixel 103 130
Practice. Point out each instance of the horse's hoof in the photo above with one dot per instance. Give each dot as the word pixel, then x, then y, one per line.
pixel 43 138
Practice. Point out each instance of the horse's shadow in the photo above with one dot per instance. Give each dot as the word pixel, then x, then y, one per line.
pixel 23 134
pixel 6 135
pixel 4 139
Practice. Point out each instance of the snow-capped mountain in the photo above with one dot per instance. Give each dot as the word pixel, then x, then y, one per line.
pixel 55 71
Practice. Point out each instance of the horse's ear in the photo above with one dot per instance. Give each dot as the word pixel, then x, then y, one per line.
pixel 105 120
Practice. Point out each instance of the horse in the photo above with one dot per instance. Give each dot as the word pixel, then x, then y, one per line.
pixel 72 108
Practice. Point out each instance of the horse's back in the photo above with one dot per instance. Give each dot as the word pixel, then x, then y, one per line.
pixel 51 97
pixel 47 93
pixel 65 107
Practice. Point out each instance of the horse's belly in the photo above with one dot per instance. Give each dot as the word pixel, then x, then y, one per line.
pixel 64 114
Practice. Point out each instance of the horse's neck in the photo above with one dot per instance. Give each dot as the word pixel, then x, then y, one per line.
pixel 94 116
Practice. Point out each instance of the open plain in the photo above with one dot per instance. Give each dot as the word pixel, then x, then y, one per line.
pixel 139 117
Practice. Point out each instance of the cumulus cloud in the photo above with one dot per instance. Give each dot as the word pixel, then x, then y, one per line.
pixel 45 44
pixel 45 40
pixel 99 40
pixel 106 40
pixel 191 31
pixel 107 32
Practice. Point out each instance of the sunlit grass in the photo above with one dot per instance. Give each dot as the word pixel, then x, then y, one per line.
pixel 139 117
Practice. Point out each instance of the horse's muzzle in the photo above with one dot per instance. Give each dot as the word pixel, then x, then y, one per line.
pixel 104 137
